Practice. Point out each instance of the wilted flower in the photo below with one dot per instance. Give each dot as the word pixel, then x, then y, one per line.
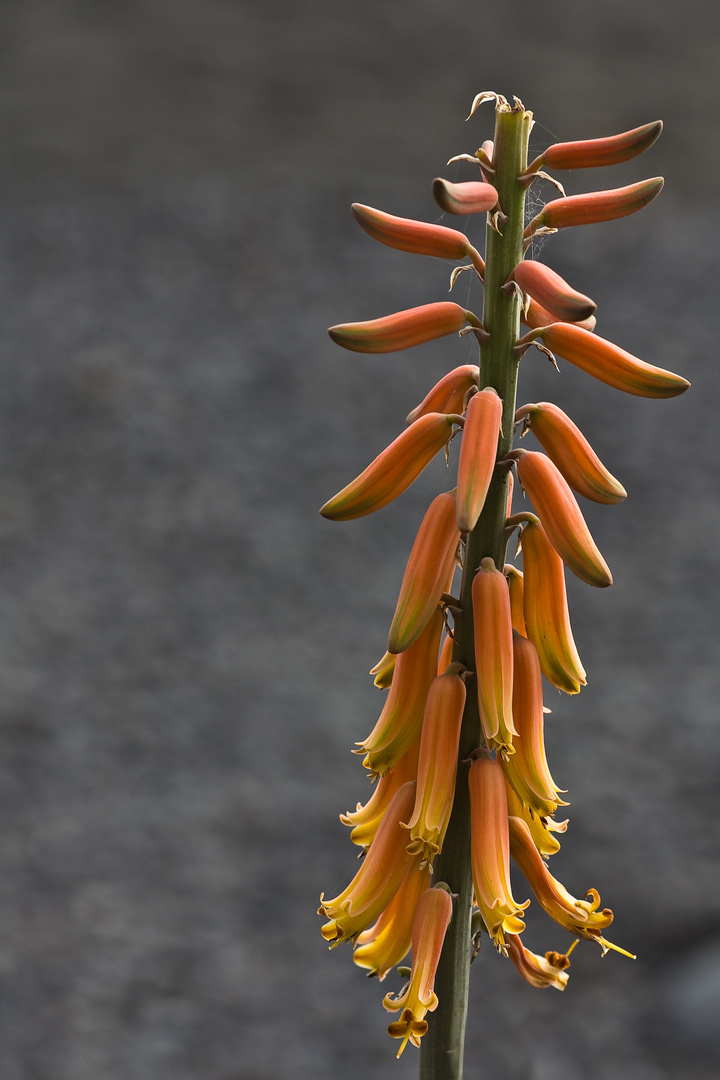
pixel 539 971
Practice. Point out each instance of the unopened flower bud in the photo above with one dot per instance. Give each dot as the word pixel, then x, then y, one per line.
pixel 471 197
pixel 568 448
pixel 448 395
pixel 393 470
pixel 593 153
pixel 431 560
pixel 417 237
pixel 535 316
pixel 552 291
pixel 492 622
pixel 514 578
pixel 478 454
pixel 609 363
pixel 595 206
pixel 561 517
pixel 445 655
pixel 403 329
pixel 545 611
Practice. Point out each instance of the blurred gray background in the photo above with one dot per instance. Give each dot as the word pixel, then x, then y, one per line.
pixel 184 641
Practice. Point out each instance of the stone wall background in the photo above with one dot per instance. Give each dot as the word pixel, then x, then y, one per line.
pixel 184 642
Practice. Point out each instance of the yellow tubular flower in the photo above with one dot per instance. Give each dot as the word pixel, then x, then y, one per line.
pixel 539 971
pixel 401 719
pixel 542 829
pixel 432 918
pixel 430 563
pixel 580 917
pixel 527 769
pixel 364 820
pixel 383 671
pixel 490 851
pixel 492 620
pixel 514 579
pixel 388 942
pixel 377 880
pixel 478 454
pixel 546 612
pixel 437 766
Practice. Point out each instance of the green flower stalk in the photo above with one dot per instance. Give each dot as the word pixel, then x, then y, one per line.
pixel 464 784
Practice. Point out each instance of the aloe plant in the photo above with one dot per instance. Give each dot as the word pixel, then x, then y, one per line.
pixel 463 784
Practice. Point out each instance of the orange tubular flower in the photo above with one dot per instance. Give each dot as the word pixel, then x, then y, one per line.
pixel 560 514
pixel 431 560
pixel 403 329
pixel 448 396
pixel 552 292
pixel 514 579
pixel 490 851
pixel 610 364
pixel 580 917
pixel 568 448
pixel 478 454
pixel 471 197
pixel 539 971
pixel 437 766
pixel 545 611
pixel 595 206
pixel 388 942
pixel 535 316
pixel 493 656
pixel 527 769
pixel 542 830
pixel 364 820
pixel 432 918
pixel 417 237
pixel 400 721
pixel 377 880
pixel 393 470
pixel 592 153
pixel 384 670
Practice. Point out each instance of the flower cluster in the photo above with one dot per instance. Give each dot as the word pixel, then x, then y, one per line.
pixel 440 692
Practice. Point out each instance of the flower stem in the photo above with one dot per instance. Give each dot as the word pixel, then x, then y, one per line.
pixel 441 1055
